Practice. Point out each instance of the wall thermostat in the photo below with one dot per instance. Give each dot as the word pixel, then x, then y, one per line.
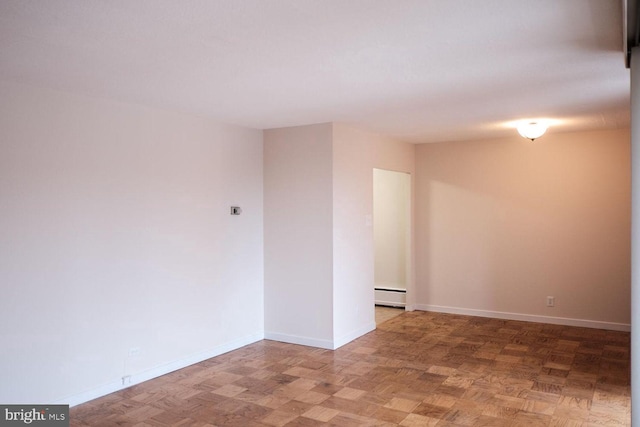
pixel 236 210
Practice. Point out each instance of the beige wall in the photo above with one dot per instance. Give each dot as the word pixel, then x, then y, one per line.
pixel 504 223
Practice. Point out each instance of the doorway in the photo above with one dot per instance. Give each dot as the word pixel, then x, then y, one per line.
pixel 392 237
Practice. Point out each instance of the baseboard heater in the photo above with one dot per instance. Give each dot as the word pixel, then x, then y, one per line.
pixel 390 297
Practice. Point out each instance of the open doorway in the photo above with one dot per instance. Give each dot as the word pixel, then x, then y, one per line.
pixel 392 238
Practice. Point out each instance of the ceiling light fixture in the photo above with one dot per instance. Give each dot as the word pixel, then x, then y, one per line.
pixel 532 129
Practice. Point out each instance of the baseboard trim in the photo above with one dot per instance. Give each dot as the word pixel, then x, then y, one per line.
pixel 345 339
pixel 295 339
pixel 390 289
pixel 158 371
pixel 596 324
pixel 390 303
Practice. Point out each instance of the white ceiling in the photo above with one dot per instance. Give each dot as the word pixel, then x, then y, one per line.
pixel 418 70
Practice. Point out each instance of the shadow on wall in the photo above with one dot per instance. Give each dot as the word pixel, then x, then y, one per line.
pixel 503 224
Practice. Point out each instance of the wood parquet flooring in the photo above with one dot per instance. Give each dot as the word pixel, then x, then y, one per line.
pixel 417 369
pixel 385 313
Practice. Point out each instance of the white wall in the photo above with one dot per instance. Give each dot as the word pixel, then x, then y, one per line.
pixel 504 223
pixel 353 259
pixel 401 157
pixel 298 224
pixel 391 218
pixel 356 154
pixel 115 234
pixel 319 261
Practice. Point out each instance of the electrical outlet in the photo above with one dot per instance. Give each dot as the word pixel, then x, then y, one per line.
pixel 551 301
pixel 126 380
pixel 134 351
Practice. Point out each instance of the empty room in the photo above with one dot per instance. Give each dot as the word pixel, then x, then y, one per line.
pixel 319 212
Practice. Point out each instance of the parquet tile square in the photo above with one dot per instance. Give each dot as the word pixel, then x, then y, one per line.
pixel 488 421
pixel 415 420
pixel 320 413
pixel 416 369
pixel 351 420
pixel 349 393
pixel 312 397
pixel 389 415
pixel 351 406
pixel 229 390
pixel 295 407
pixel 404 405
pixel 432 411
pixel 278 418
pixel 525 419
pixel 538 407
pixel 273 402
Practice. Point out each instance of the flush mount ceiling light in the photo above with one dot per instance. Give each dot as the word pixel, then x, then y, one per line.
pixel 532 129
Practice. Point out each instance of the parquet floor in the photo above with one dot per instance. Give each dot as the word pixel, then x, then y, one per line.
pixel 385 313
pixel 416 369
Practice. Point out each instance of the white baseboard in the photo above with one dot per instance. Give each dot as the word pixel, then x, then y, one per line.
pixel 353 335
pixel 295 339
pixel 394 297
pixel 158 371
pixel 612 326
pixel 389 303
pixel 319 343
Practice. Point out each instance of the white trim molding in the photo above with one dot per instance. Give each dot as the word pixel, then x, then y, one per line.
pixel 345 339
pixel 320 343
pixel 597 324
pixel 295 339
pixel 158 371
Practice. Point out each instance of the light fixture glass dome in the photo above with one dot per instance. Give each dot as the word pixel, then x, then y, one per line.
pixel 532 129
